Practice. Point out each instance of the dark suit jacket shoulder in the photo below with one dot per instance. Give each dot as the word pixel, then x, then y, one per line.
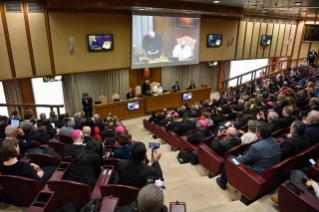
pixel 196 137
pixel 70 149
pixel 294 145
pixel 183 127
pixel 221 146
pixel 285 121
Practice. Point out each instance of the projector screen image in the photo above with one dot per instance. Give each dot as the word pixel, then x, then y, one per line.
pixel 266 40
pixel 164 41
pixel 133 105
pixel 187 96
pixel 214 40
pixel 100 42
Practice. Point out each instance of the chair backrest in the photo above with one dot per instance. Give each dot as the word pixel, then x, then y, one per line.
pixel 67 159
pixel 127 194
pixel 138 90
pixel 20 190
pixel 68 191
pixel 57 146
pixel 189 41
pixel 177 206
pixel 103 99
pixel 302 159
pixel 112 162
pixel 278 133
pixel 276 174
pixel 237 150
pixel 153 84
pixel 66 139
pixel 44 159
pixel 115 96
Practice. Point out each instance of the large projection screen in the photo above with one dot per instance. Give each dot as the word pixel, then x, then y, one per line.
pixel 164 40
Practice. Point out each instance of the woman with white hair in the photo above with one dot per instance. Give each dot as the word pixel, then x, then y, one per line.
pixel 251 134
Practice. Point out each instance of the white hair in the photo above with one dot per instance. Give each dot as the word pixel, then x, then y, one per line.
pixel 10 130
pixel 96 116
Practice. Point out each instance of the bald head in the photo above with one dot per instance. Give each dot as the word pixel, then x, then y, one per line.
pixel 231 132
pixel 11 131
pixel 151 35
pixel 87 130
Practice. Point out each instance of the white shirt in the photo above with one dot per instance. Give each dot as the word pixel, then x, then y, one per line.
pixel 248 137
pixel 182 53
pixel 157 89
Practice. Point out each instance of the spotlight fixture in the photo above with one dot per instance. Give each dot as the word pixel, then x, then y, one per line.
pixel 264 11
pixel 187 11
pixel 216 2
pixel 254 5
pixel 142 8
pixel 298 3
pixel 224 15
pixel 304 11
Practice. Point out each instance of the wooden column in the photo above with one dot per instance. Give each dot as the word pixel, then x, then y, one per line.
pixel 27 94
pixel 221 75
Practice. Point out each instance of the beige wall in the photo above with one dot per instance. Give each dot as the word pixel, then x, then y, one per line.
pixel 5 69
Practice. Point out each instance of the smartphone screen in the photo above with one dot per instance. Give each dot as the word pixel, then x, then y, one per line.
pixel 221 129
pixel 156 145
pixel 159 183
pixel 151 145
pixel 304 120
pixel 235 161
pixel 260 112
pixel 312 161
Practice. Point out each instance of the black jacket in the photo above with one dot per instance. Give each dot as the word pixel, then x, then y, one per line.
pixel 171 125
pixel 129 95
pixel 285 121
pixel 135 174
pixel 221 146
pixel 70 149
pixel 274 126
pixel 226 109
pixel 312 130
pixel 218 119
pixel 134 208
pixel 231 116
pixel 39 138
pixel 183 127
pixel 305 112
pixel 196 137
pixel 145 88
pixel 301 103
pixel 110 135
pixel 294 145
pixel 78 125
pixel 247 111
pixel 241 123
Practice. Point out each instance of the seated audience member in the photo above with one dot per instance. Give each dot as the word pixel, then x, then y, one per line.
pixel 285 88
pixel 233 113
pixel 300 102
pixel 304 64
pixel 27 120
pixel 50 129
pixel 152 118
pixel 282 105
pixel 70 149
pixel 286 120
pixel 97 120
pixel 292 103
pixel 164 122
pixel 77 119
pixel 240 105
pixel 171 125
pixel 260 156
pixel 3 125
pixel 25 142
pixel 297 141
pixel 31 112
pixel 272 119
pixel 242 120
pixel 314 105
pixel 176 86
pixel 251 134
pixel 95 131
pixel 312 127
pixel 43 116
pixel 86 163
pixel 205 117
pixel 83 119
pixel 110 118
pixel 184 125
pixel 86 134
pixel 42 138
pixel 247 110
pixel 66 119
pixel 159 117
pixel 52 115
pixel 109 134
pixel 183 111
pixel 11 166
pixel 226 107
pixel 150 198
pixel 60 123
pixel 67 130
pixel 15 116
pixel 196 137
pixel 130 94
pixel 191 85
pixel 124 143
pixel 136 172
pixel 220 146
pixel 157 88
pixel 218 117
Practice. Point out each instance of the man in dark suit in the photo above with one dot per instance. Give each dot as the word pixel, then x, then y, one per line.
pixel 196 137
pixel 314 105
pixel 89 106
pixel 260 156
pixel 152 45
pixel 3 125
pixel 77 120
pixel 184 125
pixel 233 113
pixel 296 141
pixel 60 123
pixel 241 105
pixel 42 138
pixel 130 94
pixel 247 109
pixel 272 119
pixel 220 146
pixel 109 133
pixel 242 121
pixel 135 172
pixel 218 117
pixel 226 107
pixel 165 121
pixel 171 124
pixel 146 89
pixel 312 56
pixel 70 149
pixel 286 120
pixel 283 103
pixel 176 86
pixel 312 128
pixel 300 102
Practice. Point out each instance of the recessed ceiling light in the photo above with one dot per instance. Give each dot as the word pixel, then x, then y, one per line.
pixel 187 11
pixel 298 3
pixel 264 11
pixel 254 5
pixel 142 8
pixel 224 15
pixel 216 2
pixel 296 14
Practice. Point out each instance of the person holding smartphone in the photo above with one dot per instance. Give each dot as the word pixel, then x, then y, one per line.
pixel 222 145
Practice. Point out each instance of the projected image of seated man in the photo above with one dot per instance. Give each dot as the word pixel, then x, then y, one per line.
pixel 152 45
pixel 182 51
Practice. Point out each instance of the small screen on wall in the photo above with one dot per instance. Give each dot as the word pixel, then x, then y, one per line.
pixel 100 42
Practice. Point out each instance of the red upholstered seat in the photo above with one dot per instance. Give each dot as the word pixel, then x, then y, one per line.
pixel 44 202
pixel 177 206
pixel 212 128
pixel 21 191
pixel 146 124
pixel 57 146
pixel 44 159
pixel 3 196
pixel 173 140
pixel 185 145
pixel 66 139
pixel 60 173
pixel 258 185
pixel 191 131
pixel 163 134
pixel 157 131
pixel 151 127
pixel 127 194
pixel 302 159
pixel 68 191
pixel 278 133
pixel 67 159
pixel 109 204
pixel 111 162
pixel 106 177
pixel 290 202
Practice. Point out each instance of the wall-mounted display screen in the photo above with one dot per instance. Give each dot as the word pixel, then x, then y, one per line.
pixel 100 42
pixel 53 79
pixel 214 40
pixel 187 96
pixel 133 105
pixel 266 40
pixel 312 33
pixel 162 40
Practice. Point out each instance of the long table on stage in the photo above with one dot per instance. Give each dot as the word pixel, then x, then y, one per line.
pixel 152 103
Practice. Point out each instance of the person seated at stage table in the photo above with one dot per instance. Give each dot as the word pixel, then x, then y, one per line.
pixel 196 137
pixel 11 166
pixel 191 85
pixel 146 89
pixel 130 94
pixel 152 45
pixel 157 88
pixel 176 86
pixel 184 125
pixel 182 51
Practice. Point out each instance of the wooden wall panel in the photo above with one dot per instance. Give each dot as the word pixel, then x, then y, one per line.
pixel 217 26
pixel 19 44
pixel 280 38
pixel 268 32
pixel 248 37
pixel 254 40
pixel 27 94
pixel 240 39
pixel 40 44
pixel 292 35
pixel 304 49
pixel 5 68
pixel 315 46
pixel 260 48
pixel 135 77
pixel 285 39
pixel 274 40
pixel 297 40
pixel 310 22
